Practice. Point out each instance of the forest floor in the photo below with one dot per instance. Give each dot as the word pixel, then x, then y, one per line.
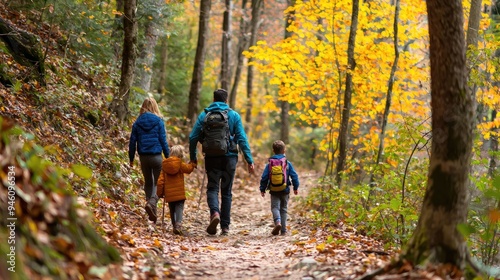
pixel 250 251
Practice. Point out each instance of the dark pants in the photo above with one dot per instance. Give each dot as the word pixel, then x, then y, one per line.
pixel 220 174
pixel 151 168
pixel 176 208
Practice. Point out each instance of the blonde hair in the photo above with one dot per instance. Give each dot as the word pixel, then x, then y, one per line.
pixel 177 151
pixel 150 105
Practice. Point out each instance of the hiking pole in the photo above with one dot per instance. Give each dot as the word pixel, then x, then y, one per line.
pixel 163 216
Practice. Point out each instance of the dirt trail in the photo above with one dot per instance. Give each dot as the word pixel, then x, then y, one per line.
pixel 248 252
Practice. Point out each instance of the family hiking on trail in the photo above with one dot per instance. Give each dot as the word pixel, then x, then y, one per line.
pixel 220 131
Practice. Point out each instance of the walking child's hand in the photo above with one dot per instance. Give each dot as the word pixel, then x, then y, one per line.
pixel 296 192
pixel 263 194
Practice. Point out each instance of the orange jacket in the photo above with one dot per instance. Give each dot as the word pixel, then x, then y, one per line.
pixel 171 180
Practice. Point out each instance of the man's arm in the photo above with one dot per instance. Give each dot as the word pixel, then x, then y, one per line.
pixel 194 137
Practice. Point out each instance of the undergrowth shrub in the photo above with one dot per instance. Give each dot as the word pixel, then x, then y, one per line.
pixel 53 232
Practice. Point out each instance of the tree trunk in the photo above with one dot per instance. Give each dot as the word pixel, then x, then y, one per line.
pixel 493 147
pixel 146 56
pixel 387 109
pixel 226 46
pixel 256 10
pixel 436 238
pixel 285 106
pixel 199 60
pixel 346 107
pixel 117 33
pixel 162 79
pixel 474 20
pixel 119 104
pixel 24 47
pixel 471 44
pixel 242 46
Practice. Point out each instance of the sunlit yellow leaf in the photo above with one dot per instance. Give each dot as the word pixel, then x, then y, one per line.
pixel 494 215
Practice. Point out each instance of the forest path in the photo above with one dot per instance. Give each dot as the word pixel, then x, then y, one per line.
pixel 250 251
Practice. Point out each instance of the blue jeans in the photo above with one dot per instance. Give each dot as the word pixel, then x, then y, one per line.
pixel 151 168
pixel 220 174
pixel 279 208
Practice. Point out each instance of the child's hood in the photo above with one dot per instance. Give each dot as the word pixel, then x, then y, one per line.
pixel 172 165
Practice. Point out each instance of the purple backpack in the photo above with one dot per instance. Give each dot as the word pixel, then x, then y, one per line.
pixel 277 174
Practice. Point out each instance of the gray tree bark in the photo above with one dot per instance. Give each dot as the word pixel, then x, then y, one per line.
pixel 225 74
pixel 285 106
pixel 436 238
pixel 242 46
pixel 163 66
pixel 199 60
pixel 346 107
pixel 146 57
pixel 119 104
pixel 256 12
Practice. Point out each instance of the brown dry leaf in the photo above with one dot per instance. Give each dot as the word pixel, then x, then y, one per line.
pixel 112 214
pixel 142 250
pixel 157 243
pixel 406 267
pixel 135 254
pixel 321 247
pixel 33 252
pixel 62 244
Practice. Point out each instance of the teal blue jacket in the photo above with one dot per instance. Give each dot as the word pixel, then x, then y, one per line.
pixel 235 128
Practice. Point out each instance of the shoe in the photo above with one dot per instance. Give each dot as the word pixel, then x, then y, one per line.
pixel 178 230
pixel 214 222
pixel 284 233
pixel 276 229
pixel 151 210
pixel 225 231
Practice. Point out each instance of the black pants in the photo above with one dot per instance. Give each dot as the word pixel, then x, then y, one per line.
pixel 151 168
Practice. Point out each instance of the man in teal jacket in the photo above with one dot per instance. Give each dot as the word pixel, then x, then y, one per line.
pixel 221 169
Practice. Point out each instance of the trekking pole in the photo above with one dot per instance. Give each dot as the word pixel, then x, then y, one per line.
pixel 163 216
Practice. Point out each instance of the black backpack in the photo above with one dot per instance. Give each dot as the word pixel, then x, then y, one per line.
pixel 215 140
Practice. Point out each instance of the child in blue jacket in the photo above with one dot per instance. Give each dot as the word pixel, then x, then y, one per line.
pixel 279 199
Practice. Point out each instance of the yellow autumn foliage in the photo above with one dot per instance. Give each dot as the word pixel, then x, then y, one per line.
pixel 309 69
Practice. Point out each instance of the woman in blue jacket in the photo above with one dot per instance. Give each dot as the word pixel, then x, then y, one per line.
pixel 149 139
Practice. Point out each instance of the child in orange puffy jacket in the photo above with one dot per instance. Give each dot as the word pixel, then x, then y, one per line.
pixel 171 185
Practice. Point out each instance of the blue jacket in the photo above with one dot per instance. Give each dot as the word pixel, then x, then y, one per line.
pixel 235 128
pixel 293 177
pixel 148 136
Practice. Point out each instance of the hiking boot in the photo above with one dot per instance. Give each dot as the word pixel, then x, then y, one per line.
pixel 225 231
pixel 276 229
pixel 178 230
pixel 214 221
pixel 283 233
pixel 151 209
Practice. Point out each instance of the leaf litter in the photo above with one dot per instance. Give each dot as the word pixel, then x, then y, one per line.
pixel 152 251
